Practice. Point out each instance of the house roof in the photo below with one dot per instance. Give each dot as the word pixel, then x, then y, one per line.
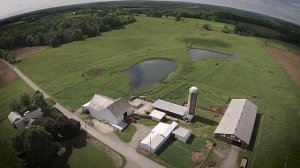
pixel 153 140
pixel 164 129
pixel 13 117
pixel 182 132
pixel 157 114
pixel 33 115
pixel 239 119
pixel 170 107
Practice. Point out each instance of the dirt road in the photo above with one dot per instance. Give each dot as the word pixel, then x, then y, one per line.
pixel 289 61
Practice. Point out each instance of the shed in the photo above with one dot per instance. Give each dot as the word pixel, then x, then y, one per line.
pixel 13 117
pixel 61 151
pixel 164 129
pixel 244 163
pixel 170 108
pixel 182 134
pixel 152 142
pixel 237 124
pixel 157 115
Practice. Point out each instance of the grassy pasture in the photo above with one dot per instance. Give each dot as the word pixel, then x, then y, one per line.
pixel 254 74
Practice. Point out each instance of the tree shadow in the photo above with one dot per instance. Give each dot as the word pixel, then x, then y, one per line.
pixel 205 42
pixel 168 143
pixel 79 141
pixel 254 132
pixel 204 120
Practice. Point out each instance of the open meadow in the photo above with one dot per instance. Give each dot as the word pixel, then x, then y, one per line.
pixel 64 71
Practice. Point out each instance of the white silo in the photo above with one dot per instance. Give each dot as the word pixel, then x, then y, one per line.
pixel 192 101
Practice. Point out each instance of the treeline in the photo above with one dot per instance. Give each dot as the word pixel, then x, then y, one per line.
pixel 60 29
pixel 289 34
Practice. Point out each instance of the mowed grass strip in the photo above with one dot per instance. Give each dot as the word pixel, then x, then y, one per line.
pixel 255 76
pixel 127 134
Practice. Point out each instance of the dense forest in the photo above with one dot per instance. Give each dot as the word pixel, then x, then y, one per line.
pixel 60 28
pixel 66 24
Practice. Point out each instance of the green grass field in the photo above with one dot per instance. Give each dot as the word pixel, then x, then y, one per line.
pixel 255 73
pixel 7 93
pixel 127 134
pixel 88 156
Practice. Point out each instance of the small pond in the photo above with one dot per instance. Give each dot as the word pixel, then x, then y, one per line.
pixel 197 55
pixel 148 73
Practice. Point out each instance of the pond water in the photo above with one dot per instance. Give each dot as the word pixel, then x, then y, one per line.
pixel 197 55
pixel 148 73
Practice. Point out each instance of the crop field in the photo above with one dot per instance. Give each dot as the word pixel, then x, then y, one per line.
pixel 63 73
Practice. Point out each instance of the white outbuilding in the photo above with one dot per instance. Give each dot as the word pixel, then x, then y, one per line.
pixel 152 142
pixel 159 134
pixel 109 111
pixel 182 134
pixel 157 115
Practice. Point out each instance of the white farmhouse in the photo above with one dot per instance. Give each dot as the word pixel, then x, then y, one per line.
pixel 109 111
pixel 22 122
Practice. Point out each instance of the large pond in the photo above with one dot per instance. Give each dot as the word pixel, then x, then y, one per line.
pixel 197 55
pixel 148 73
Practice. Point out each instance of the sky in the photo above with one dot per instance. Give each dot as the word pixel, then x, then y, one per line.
pixel 288 10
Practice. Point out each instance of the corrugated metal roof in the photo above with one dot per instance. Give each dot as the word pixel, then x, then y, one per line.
pixel 239 119
pixel 116 107
pixel 157 114
pixel 119 107
pixel 164 129
pixel 153 140
pixel 100 102
pixel 171 107
pixel 181 132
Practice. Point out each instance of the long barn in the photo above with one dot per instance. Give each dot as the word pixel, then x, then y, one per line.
pixel 237 123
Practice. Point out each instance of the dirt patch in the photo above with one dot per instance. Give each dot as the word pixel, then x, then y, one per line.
pixel 7 76
pixel 289 61
pixel 197 158
pixel 23 53
pixel 95 73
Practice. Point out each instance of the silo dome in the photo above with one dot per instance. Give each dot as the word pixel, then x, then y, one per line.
pixel 194 89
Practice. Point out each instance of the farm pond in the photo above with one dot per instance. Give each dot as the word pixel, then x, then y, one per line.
pixel 198 55
pixel 148 73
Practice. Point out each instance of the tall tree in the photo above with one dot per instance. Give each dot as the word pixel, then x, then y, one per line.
pixel 35 144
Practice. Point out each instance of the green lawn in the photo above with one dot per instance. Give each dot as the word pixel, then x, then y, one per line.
pixel 255 73
pixel 7 93
pixel 147 122
pixel 127 134
pixel 89 156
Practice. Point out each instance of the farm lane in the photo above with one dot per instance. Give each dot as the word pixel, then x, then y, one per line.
pixel 134 159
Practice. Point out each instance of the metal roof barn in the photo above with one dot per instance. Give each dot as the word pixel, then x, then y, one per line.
pixel 157 115
pixel 170 107
pixel 237 123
